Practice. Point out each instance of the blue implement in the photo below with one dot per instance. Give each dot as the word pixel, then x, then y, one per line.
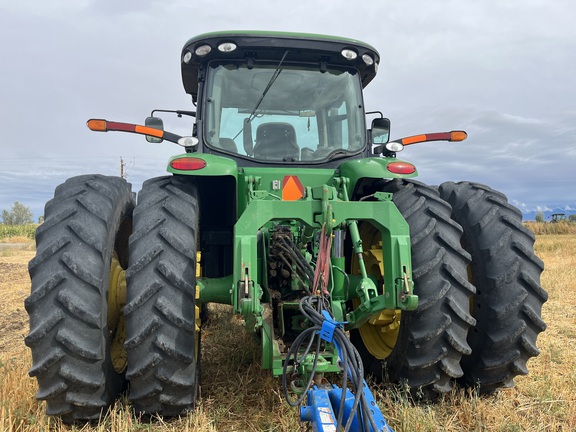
pixel 324 406
pixel 319 411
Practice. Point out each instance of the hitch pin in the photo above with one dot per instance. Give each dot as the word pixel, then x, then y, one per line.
pixel 406 291
pixel 246 281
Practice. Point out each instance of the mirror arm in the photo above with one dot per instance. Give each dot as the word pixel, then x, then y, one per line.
pixel 375 112
pixel 179 113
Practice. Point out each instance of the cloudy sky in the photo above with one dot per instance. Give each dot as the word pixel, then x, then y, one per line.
pixel 505 71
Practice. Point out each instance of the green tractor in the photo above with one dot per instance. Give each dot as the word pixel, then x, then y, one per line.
pixel 558 217
pixel 287 206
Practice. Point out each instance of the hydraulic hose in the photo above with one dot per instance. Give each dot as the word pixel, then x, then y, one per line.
pixel 311 307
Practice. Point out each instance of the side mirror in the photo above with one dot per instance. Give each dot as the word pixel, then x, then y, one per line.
pixel 380 131
pixel 156 123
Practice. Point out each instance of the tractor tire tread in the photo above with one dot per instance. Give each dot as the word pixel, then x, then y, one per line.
pixel 506 272
pixel 67 325
pixel 160 315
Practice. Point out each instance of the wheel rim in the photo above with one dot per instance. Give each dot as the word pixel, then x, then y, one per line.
pixel 116 320
pixel 380 333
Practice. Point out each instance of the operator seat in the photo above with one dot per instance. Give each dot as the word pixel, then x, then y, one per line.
pixel 276 141
pixel 227 144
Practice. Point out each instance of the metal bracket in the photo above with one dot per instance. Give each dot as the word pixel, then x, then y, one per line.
pixel 328 327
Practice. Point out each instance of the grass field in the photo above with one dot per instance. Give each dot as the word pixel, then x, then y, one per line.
pixel 13 233
pixel 542 228
pixel 237 395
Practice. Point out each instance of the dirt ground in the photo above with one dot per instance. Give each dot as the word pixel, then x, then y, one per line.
pixel 14 288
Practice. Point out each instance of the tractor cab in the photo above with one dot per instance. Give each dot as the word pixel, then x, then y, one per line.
pixel 279 98
pixel 558 217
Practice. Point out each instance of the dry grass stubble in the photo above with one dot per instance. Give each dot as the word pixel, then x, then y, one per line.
pixel 236 394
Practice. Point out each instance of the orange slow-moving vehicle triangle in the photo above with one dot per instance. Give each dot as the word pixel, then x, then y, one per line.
pixel 292 188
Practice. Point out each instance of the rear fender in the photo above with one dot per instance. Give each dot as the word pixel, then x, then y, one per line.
pixel 217 181
pixel 215 165
pixel 360 170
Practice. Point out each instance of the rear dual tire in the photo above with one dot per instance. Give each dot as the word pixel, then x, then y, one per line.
pixel 508 302
pixel 71 337
pixel 162 320
pixel 77 330
pixel 502 315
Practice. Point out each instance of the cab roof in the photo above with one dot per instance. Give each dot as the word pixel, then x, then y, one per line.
pixel 272 46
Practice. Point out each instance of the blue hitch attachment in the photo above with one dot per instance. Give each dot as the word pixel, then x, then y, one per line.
pixel 324 405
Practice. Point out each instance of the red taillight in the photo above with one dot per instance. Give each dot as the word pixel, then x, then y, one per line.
pixel 401 168
pixel 188 164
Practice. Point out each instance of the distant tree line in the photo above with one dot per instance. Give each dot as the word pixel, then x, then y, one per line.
pixel 19 214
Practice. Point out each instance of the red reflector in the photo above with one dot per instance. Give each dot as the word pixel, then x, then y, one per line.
pixel 188 164
pixel 401 167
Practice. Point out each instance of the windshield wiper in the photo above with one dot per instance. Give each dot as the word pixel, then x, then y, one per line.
pixel 273 78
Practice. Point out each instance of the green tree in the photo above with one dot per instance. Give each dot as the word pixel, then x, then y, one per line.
pixel 539 216
pixel 572 218
pixel 18 215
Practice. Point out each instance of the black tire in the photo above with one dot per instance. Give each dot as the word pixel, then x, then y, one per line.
pixel 508 302
pixel 160 312
pixel 431 339
pixel 88 220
